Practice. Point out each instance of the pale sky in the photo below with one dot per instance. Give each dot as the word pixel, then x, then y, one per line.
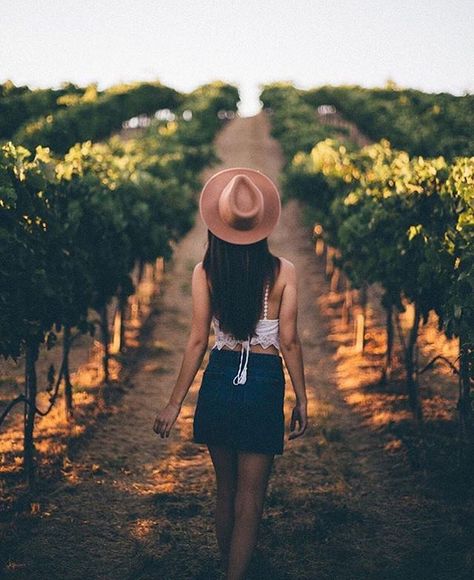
pixel 422 44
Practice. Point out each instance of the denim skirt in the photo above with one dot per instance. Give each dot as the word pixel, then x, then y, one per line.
pixel 246 417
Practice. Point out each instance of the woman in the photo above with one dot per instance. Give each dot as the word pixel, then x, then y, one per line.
pixel 250 296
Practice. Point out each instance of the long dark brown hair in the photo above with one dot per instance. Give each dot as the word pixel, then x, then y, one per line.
pixel 237 274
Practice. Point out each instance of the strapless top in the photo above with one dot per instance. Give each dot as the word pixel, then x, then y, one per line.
pixel 267 333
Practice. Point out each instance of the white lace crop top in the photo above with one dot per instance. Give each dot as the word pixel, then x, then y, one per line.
pixel 266 334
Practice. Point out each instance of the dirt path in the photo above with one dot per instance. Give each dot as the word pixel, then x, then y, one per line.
pixel 135 506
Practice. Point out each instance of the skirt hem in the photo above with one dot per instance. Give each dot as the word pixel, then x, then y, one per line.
pixel 278 451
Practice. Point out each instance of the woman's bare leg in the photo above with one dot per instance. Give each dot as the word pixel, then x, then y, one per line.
pixel 253 474
pixel 225 466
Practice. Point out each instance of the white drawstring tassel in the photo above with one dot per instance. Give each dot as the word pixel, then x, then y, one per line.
pixel 241 375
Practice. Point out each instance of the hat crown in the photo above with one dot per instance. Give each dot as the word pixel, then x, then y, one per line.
pixel 241 203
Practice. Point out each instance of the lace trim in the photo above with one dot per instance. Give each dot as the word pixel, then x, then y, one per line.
pixel 232 343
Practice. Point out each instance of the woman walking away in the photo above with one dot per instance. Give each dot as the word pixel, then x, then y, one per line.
pixel 250 296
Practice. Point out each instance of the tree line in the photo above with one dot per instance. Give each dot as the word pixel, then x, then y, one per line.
pixel 401 220
pixel 74 226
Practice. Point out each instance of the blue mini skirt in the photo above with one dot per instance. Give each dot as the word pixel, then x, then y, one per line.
pixel 246 417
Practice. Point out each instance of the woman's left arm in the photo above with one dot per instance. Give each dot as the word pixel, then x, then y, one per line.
pixel 194 352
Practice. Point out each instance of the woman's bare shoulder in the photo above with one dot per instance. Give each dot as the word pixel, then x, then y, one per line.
pixel 287 269
pixel 199 271
pixel 201 274
pixel 287 266
pixel 286 262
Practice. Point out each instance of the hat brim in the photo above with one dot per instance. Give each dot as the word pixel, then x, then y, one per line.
pixel 209 206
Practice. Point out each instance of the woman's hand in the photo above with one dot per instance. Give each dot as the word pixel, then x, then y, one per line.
pixel 165 419
pixel 300 415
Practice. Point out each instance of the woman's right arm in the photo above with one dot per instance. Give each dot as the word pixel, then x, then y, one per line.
pixel 290 346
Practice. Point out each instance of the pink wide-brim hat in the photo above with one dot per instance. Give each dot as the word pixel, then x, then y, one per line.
pixel 240 205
